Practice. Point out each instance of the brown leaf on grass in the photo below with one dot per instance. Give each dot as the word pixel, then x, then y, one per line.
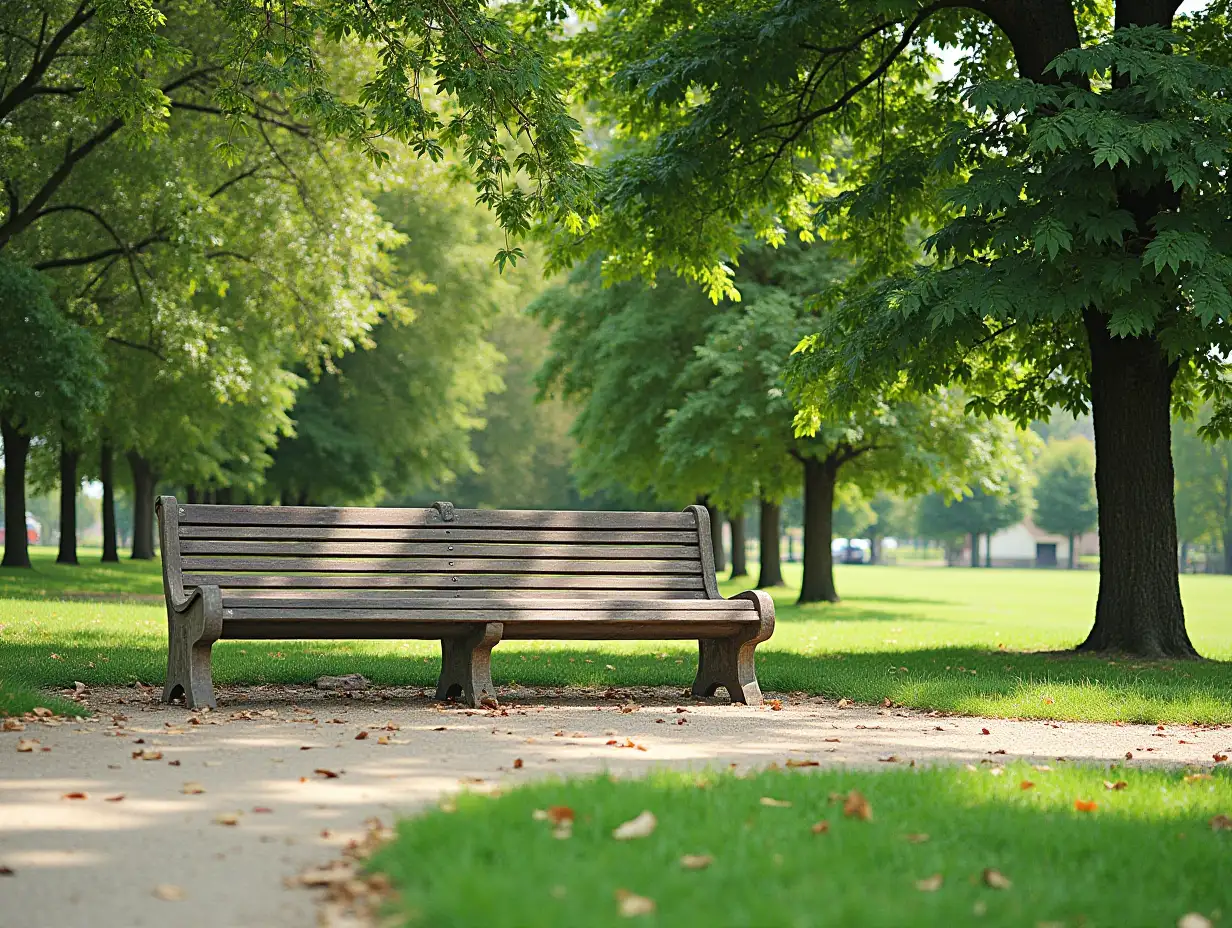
pixel 1197 777
pixel 26 745
pixel 856 806
pixel 775 803
pixel 361 736
pixel 805 762
pixel 169 892
pixel 14 725
pixel 1221 823
pixel 930 884
pixel 192 788
pixel 696 861
pixel 640 827
pixel 327 774
pixel 995 879
pixel 1026 784
pixel 147 754
pixel 820 828
pixel 227 818
pixel 917 838
pixel 554 814
pixel 775 704
pixel 1118 785
pixel 1086 805
pixel 631 905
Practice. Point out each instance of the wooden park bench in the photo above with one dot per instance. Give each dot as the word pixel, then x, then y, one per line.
pixel 469 577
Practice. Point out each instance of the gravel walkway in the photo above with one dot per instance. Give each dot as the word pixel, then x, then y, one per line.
pixel 224 808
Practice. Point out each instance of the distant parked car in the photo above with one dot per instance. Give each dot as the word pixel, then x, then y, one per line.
pixel 851 550
pixel 34 531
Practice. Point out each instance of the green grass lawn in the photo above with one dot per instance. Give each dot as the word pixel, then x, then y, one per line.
pixel 953 639
pixel 1146 855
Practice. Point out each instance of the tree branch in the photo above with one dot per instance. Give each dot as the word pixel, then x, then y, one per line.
pixel 42 60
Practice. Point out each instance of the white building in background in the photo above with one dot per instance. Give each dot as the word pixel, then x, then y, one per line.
pixel 1027 545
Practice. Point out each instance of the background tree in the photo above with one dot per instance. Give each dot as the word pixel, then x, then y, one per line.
pixel 1065 490
pixel 50 378
pixel 1204 488
pixel 1073 174
pixel 983 512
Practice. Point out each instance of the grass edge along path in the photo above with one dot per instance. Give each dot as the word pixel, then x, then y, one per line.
pixel 1020 845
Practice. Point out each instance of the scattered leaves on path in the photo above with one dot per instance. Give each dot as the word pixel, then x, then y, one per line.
pixel 75 796
pixel 1086 805
pixel 517 763
pixel 227 818
pixel 631 905
pixel 1219 758
pixel 641 827
pixel 995 879
pixel 985 731
pixel 930 884
pixel 14 725
pixel 775 704
pixel 327 774
pixel 169 892
pixel 117 798
pixel 696 861
pixel 192 789
pixel 26 745
pixel 147 754
pixel 361 736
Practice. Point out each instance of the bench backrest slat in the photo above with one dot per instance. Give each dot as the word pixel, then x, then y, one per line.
pixel 442 551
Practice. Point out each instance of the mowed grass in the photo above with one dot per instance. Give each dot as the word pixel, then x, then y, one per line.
pixel 1146 854
pixel 953 639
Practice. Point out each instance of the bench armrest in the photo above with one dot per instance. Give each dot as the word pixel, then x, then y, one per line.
pixel 211 595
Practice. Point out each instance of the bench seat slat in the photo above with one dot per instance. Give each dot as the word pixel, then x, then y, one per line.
pixel 233 596
pixel 444 582
pixel 444 548
pixel 201 514
pixel 300 605
pixel 443 532
pixel 575 629
pixel 443 565
pixel 507 615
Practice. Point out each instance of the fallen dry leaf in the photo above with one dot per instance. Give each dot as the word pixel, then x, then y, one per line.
pixel 641 827
pixel 1221 823
pixel 26 745
pixel 169 892
pixel 1129 755
pixel 1118 785
pixel 14 725
pixel 775 704
pixel 832 740
pixel 1086 805
pixel 1219 758
pixel 262 810
pixel 995 879
pixel 116 798
pixel 147 754
pixel 383 739
pixel 631 905
pixel 42 712
pixel 775 803
pixel 918 838
pixel 820 828
pixel 192 789
pixel 517 763
pixel 842 704
pixel 328 774
pixel 985 731
pixel 227 818
pixel 1193 920
pixel 889 759
pixel 361 736
pixel 793 762
pixel 1197 777
pixel 856 806
pixel 7 871
pixel 696 861
pixel 1026 784
pixel 930 884
pixel 75 796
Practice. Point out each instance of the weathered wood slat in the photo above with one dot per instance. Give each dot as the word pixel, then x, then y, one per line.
pixel 465 518
pixel 442 549
pixel 442 532
pixel 232 596
pixel 372 614
pixel 444 582
pixel 296 605
pixel 443 565
pixel 573 630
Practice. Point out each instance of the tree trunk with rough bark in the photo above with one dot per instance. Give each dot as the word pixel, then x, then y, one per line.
pixel 739 557
pixel 69 484
pixel 16 449
pixel 1139 608
pixel 106 475
pixel 819 480
pixel 144 480
pixel 768 546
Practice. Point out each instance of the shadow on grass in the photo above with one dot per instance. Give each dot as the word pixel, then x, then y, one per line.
pixel 962 680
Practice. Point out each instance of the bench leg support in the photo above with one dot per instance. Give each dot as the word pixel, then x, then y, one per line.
pixel 466 673
pixel 728 662
pixel 190 636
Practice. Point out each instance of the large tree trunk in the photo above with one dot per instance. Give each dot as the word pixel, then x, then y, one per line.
pixel 818 584
pixel 106 474
pixel 16 448
pixel 1139 609
pixel 768 546
pixel 69 484
pixel 143 507
pixel 739 558
pixel 716 537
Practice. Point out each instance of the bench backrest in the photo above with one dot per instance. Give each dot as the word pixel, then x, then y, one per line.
pixel 440 551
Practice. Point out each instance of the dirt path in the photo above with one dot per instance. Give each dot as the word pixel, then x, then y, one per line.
pixel 259 759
